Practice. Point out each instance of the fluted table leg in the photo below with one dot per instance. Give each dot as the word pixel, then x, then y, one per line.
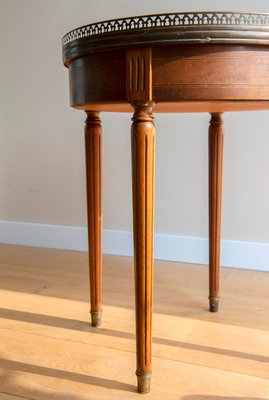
pixel 93 137
pixel 143 157
pixel 216 135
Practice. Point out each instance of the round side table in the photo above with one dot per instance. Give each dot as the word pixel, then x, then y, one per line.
pixel 179 62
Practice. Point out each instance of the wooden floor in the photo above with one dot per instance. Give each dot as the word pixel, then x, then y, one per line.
pixel 48 350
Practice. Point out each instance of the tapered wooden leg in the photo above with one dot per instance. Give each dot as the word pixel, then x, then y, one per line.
pixel 216 135
pixel 93 136
pixel 143 157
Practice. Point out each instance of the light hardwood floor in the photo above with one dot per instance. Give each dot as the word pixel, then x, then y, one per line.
pixel 48 350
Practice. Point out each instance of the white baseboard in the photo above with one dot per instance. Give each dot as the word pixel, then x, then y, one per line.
pixel 234 253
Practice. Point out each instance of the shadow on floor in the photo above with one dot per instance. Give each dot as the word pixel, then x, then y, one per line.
pixel 64 274
pixel 66 375
pixel 81 326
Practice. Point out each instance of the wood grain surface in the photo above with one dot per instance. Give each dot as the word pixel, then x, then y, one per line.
pixel 93 149
pixel 234 76
pixel 143 160
pixel 215 167
pixel 50 351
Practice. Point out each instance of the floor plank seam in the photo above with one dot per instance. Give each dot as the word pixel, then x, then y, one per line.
pixel 20 397
pixel 70 341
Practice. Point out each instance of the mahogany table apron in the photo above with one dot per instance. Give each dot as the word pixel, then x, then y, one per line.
pixel 195 62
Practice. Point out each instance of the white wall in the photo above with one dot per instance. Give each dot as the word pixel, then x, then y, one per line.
pixel 41 138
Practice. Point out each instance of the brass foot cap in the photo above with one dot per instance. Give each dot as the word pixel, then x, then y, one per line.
pixel 143 383
pixel 96 318
pixel 213 304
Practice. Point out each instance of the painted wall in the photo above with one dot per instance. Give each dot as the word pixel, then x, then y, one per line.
pixel 42 178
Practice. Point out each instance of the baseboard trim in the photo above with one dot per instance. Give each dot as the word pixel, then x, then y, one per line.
pixel 234 253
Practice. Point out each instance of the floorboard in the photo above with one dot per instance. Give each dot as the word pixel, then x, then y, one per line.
pixel 48 350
